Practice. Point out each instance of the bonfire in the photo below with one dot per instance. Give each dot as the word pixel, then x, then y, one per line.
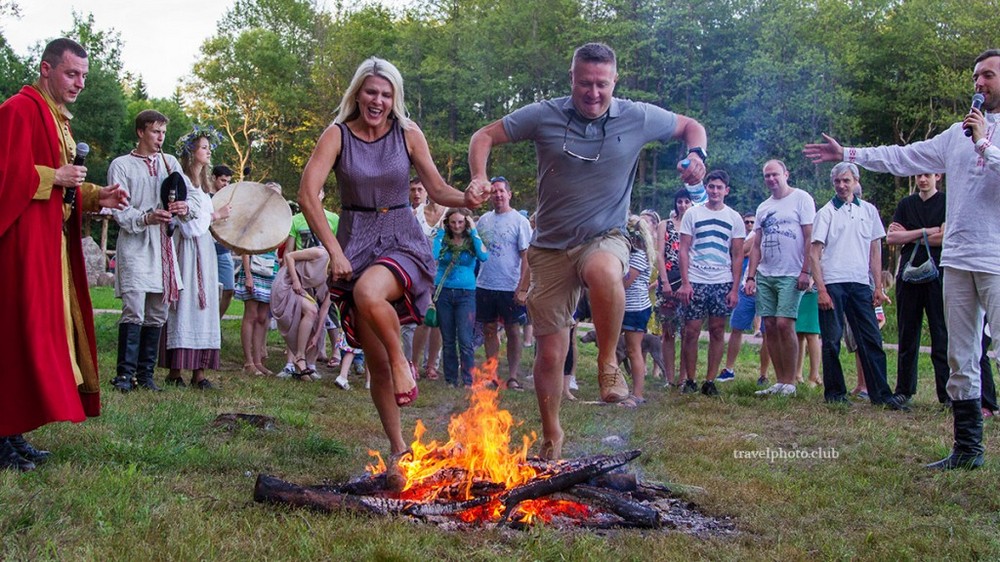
pixel 477 478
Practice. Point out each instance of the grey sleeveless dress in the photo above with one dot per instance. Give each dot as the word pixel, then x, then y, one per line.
pixel 377 226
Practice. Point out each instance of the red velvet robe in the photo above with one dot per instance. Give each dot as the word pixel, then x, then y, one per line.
pixel 37 385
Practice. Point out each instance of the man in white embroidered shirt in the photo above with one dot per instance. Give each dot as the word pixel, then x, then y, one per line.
pixel 146 276
pixel 970 245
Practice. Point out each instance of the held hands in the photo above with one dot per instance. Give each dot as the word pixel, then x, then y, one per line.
pixel 829 151
pixel 477 193
pixel 70 175
pixel 750 288
pixel 112 197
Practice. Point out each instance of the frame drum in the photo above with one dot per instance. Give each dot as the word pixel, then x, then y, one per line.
pixel 259 222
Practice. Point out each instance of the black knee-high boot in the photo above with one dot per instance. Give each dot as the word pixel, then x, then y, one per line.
pixel 128 357
pixel 968 450
pixel 149 346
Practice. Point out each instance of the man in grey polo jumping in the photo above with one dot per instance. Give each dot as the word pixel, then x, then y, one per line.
pixel 588 146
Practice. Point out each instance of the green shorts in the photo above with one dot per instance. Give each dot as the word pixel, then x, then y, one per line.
pixel 777 296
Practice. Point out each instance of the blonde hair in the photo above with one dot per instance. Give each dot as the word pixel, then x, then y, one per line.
pixel 349 111
pixel 641 237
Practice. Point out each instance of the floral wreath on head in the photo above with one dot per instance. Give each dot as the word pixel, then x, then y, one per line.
pixel 186 144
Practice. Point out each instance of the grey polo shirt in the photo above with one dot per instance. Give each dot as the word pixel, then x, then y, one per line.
pixel 577 199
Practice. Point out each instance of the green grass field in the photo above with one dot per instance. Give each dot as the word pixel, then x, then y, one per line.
pixel 151 479
pixel 103 298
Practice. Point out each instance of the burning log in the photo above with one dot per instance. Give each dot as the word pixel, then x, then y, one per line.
pixel 563 479
pixel 632 512
pixel 269 489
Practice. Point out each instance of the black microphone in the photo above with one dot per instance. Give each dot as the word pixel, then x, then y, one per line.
pixel 82 150
pixel 977 103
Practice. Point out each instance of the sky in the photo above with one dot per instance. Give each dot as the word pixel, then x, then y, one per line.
pixel 162 57
pixel 160 38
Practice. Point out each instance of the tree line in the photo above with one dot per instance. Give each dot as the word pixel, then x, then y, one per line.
pixel 763 76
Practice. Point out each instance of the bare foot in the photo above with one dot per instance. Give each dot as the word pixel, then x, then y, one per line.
pixel 552 448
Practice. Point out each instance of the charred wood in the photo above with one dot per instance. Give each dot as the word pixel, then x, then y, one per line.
pixel 269 489
pixel 618 481
pixel 636 514
pixel 563 479
pixel 324 498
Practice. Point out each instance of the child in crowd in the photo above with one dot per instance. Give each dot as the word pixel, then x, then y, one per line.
pixel 350 359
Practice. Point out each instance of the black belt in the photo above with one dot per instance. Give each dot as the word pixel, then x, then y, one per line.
pixel 360 209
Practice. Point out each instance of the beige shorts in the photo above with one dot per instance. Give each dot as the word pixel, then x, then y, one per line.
pixel 556 279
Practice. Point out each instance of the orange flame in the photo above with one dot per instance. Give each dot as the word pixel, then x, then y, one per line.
pixel 478 448
pixel 478 452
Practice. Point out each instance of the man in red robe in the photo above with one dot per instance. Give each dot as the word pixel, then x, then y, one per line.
pixel 47 336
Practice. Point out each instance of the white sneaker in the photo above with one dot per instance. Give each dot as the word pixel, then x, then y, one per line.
pixel 777 388
pixel 287 372
pixel 572 383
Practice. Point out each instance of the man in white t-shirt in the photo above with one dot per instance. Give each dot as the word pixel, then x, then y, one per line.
pixel 710 257
pixel 502 284
pixel 846 252
pixel 780 253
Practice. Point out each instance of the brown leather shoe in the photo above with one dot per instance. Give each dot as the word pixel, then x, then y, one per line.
pixel 613 385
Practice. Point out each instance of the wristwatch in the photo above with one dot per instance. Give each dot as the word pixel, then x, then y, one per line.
pixel 701 153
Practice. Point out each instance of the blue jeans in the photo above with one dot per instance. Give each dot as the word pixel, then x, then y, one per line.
pixel 853 300
pixel 457 314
